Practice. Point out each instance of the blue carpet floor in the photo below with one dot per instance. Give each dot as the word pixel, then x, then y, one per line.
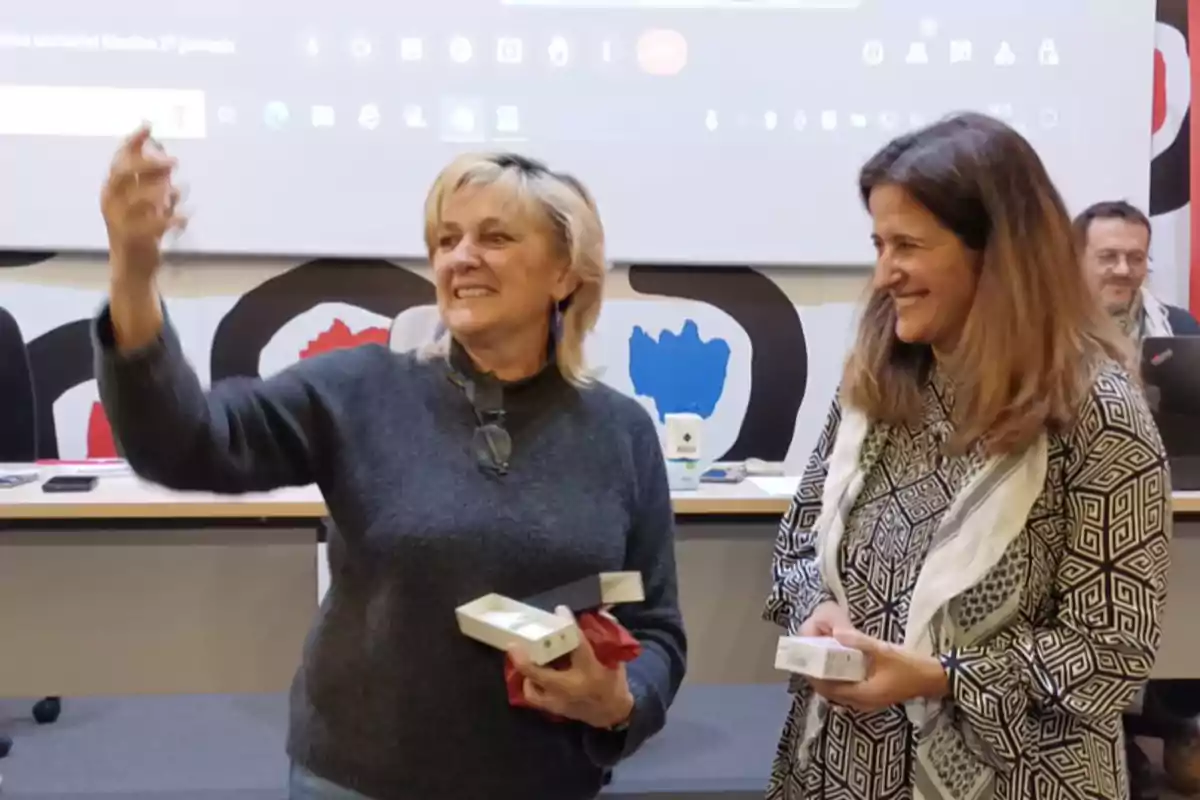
pixel 719 743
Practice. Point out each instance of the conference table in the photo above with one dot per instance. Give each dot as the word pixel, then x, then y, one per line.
pixel 182 591
pixel 133 589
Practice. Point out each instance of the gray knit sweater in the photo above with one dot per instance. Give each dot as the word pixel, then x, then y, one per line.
pixel 391 700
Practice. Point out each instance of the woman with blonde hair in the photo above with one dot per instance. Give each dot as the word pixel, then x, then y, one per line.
pixel 489 463
pixel 987 513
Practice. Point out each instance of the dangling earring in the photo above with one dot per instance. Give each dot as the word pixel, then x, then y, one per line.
pixel 556 320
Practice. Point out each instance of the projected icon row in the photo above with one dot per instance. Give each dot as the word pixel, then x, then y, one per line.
pixel 467 117
pixel 832 120
pixel 961 51
pixel 655 51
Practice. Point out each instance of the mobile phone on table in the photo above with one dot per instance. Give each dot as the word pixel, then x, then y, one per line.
pixel 724 475
pixel 70 483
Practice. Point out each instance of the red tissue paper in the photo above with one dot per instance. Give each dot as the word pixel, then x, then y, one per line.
pixel 612 643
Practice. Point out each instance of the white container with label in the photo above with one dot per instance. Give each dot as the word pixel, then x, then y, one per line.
pixel 684 451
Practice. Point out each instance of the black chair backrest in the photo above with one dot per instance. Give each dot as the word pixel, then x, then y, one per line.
pixel 18 405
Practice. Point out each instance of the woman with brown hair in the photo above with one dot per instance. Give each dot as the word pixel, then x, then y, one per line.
pixel 987 513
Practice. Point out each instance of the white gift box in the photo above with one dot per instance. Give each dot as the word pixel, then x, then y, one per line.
pixel 622 587
pixel 819 657
pixel 502 623
pixel 595 591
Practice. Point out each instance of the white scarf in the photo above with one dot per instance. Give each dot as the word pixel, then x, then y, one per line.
pixel 1156 322
pixel 984 519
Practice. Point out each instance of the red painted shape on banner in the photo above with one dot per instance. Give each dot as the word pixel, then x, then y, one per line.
pixel 99 435
pixel 1159 113
pixel 339 336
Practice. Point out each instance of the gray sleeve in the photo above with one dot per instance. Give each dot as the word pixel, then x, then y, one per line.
pixel 655 675
pixel 243 435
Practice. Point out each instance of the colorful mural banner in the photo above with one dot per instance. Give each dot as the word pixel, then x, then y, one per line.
pixel 1170 173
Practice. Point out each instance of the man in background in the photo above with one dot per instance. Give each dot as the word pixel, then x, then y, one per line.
pixel 1114 238
pixel 1114 243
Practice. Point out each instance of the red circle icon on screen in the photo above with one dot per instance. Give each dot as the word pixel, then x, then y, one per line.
pixel 662 52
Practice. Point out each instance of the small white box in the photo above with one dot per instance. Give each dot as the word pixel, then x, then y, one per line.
pixel 684 433
pixel 502 622
pixel 819 657
pixel 622 587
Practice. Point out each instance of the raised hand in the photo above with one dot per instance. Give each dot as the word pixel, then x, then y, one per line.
pixel 140 205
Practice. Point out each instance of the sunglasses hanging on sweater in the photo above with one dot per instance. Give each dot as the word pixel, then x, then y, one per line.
pixel 491 442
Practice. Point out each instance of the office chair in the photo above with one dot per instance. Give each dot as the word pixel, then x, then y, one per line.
pixel 1171 712
pixel 18 422
pixel 18 444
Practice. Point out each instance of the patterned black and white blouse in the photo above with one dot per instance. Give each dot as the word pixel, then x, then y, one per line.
pixel 1064 629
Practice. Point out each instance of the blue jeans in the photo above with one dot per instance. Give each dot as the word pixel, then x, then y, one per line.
pixel 303 785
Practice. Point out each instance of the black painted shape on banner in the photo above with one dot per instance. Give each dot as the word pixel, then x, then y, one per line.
pixel 378 286
pixel 61 359
pixel 1170 173
pixel 1173 13
pixel 779 361
pixel 19 258
pixel 18 405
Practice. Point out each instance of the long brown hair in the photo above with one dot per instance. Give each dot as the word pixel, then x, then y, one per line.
pixel 1033 338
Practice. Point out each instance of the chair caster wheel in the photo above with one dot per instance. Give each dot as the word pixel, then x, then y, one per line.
pixel 47 710
pixel 5 746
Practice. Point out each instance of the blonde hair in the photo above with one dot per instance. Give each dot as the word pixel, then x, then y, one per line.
pixel 567 205
pixel 1034 337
